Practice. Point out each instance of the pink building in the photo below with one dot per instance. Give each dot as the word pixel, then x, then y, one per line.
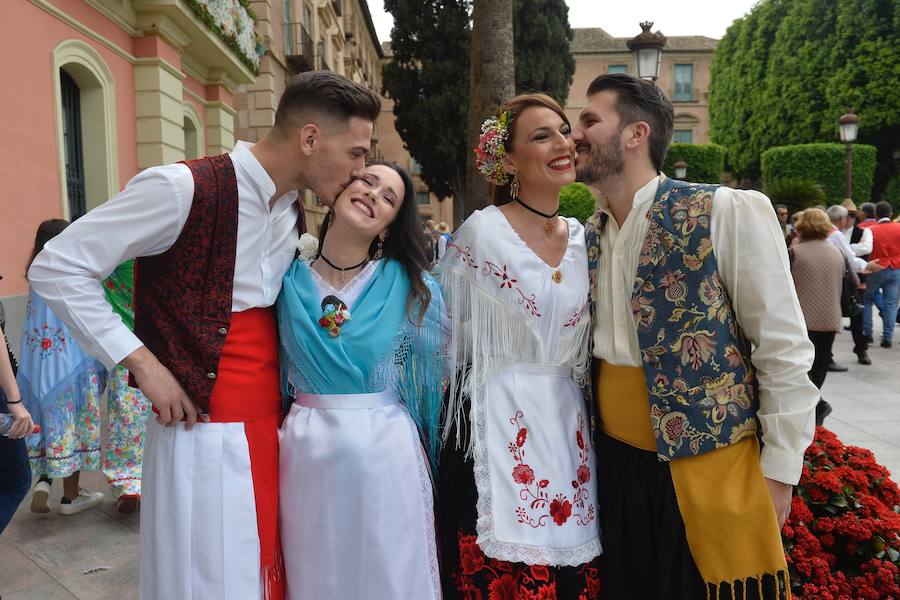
pixel 95 91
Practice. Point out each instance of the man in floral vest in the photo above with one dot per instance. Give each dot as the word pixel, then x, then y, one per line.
pixel 213 238
pixel 701 359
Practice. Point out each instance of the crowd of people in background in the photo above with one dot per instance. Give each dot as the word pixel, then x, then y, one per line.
pixel 844 261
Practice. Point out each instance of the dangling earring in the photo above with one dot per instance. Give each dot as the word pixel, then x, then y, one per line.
pixel 378 249
pixel 514 186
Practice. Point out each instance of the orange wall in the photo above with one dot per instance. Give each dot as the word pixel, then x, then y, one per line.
pixel 29 170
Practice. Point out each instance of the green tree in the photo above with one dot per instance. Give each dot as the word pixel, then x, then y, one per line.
pixel 542 36
pixel 427 79
pixel 785 72
pixel 428 76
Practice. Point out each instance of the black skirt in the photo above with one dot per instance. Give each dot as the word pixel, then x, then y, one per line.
pixel 645 550
pixel 467 573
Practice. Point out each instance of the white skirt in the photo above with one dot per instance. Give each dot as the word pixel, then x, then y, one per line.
pixel 356 501
pixel 199 537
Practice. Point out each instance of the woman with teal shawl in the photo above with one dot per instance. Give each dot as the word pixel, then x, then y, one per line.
pixel 363 367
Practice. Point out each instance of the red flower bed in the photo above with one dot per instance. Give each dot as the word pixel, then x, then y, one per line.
pixel 842 539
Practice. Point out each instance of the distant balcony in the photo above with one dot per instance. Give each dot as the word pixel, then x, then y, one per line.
pixel 336 4
pixel 298 48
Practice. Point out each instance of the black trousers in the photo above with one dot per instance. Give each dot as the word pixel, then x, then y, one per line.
pixel 860 345
pixel 15 473
pixel 645 551
pixel 823 342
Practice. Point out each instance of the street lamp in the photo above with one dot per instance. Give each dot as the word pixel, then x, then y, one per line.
pixel 848 125
pixel 680 169
pixel 646 47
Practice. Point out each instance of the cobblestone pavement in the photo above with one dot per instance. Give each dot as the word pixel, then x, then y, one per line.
pixel 93 555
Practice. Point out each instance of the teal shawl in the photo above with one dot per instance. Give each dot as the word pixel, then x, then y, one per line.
pixel 379 347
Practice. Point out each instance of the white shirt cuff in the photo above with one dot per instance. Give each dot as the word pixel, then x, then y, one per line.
pixel 781 465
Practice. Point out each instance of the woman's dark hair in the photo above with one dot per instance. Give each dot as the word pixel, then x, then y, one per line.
pixel 500 194
pixel 405 243
pixel 46 231
pixel 640 100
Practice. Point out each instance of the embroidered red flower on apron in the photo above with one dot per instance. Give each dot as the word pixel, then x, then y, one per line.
pixel 539 509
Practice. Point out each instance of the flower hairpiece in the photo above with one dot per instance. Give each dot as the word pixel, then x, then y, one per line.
pixel 491 149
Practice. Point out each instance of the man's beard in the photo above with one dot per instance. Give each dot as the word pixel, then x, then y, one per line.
pixel 605 161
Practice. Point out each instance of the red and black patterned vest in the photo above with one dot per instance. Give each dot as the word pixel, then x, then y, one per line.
pixel 183 297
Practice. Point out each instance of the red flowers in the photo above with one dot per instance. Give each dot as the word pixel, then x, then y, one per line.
pixel 46 343
pixel 560 510
pixel 520 438
pixel 471 559
pixel 842 539
pixel 523 474
pixel 584 474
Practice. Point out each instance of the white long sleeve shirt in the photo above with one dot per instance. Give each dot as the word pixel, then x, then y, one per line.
pixel 864 246
pixel 145 219
pixel 752 261
pixel 837 238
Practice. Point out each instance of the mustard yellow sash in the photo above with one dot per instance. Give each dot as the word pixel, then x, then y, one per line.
pixel 729 519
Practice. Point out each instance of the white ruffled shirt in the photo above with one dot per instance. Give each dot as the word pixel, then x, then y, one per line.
pixel 752 260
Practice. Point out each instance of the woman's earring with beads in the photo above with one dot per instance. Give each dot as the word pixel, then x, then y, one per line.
pixel 514 186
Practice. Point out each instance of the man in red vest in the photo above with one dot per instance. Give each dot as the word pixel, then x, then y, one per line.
pixel 213 238
pixel 885 249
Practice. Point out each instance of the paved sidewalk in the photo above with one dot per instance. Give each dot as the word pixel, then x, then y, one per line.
pixel 93 555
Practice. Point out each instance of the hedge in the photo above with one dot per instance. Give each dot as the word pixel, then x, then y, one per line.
pixel 892 193
pixel 705 162
pixel 576 200
pixel 824 164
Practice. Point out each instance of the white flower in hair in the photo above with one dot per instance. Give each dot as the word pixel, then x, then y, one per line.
pixel 307 246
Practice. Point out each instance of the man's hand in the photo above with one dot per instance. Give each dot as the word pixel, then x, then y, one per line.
pixel 162 389
pixel 873 266
pixel 781 497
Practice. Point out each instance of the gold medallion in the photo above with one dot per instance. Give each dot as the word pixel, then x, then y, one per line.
pixel 557 276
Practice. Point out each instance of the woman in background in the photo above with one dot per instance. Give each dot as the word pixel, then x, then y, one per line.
pixel 61 388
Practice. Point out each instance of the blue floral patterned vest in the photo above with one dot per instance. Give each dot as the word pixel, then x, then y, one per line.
pixel 701 384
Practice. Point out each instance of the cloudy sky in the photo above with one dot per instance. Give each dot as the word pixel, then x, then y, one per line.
pixel 621 17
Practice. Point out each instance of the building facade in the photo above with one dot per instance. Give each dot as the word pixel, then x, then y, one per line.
pixel 337 35
pixel 683 76
pixel 100 89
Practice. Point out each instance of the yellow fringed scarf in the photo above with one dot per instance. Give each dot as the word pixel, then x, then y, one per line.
pixel 729 519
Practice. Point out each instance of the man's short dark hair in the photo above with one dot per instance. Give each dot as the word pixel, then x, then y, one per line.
pixel 324 93
pixel 883 210
pixel 781 207
pixel 868 209
pixel 640 100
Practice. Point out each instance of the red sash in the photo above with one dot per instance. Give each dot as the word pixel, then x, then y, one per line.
pixel 247 390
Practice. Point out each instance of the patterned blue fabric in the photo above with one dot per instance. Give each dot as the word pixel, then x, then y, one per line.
pixel 701 384
pixel 383 345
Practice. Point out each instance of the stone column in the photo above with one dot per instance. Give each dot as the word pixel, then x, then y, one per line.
pixel 158 102
pixel 219 120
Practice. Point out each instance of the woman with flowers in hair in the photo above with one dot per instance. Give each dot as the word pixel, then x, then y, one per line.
pixel 362 352
pixel 516 498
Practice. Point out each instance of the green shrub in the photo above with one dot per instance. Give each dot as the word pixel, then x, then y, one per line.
pixel 705 162
pixel 892 192
pixel 796 193
pixel 576 200
pixel 824 164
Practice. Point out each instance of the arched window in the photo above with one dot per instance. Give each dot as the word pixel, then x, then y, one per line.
pixel 73 147
pixel 86 134
pixel 194 146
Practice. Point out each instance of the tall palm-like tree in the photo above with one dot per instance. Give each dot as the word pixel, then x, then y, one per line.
pixel 491 82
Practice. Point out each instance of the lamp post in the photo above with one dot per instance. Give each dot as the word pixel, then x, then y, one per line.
pixel 680 169
pixel 646 47
pixel 848 125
